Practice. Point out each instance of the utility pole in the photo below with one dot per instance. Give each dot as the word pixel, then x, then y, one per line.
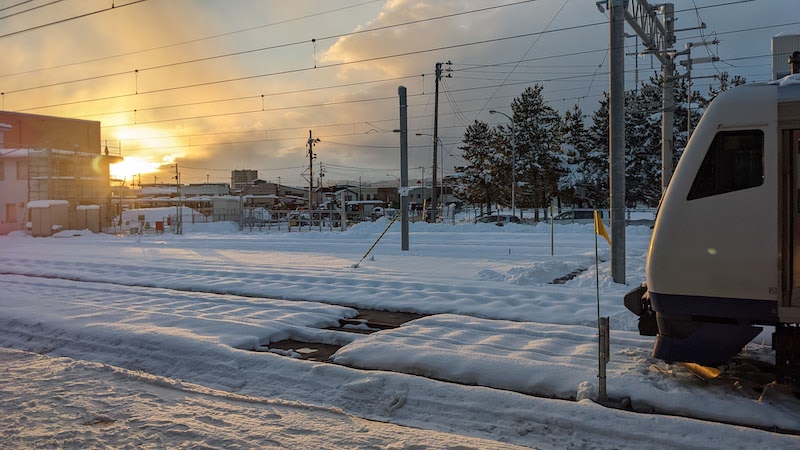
pixel 657 38
pixel 311 157
pixel 321 175
pixel 434 201
pixel 688 63
pixel 179 221
pixel 401 92
pixel 617 139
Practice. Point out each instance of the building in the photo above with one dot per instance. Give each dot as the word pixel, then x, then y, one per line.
pixel 240 179
pixel 783 45
pixel 44 158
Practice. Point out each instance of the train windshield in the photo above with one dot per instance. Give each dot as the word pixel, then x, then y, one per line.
pixel 735 161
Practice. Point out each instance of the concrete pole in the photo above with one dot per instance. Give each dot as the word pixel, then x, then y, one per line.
pixel 667 121
pixel 668 100
pixel 434 202
pixel 617 139
pixel 310 171
pixel 401 91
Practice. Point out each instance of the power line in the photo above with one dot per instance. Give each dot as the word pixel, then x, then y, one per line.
pixel 69 19
pixel 357 62
pixel 195 40
pixel 13 6
pixel 27 10
pixel 274 47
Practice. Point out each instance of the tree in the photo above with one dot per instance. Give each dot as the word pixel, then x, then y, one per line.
pixel 643 145
pixel 594 165
pixel 537 136
pixel 725 83
pixel 479 179
pixel 575 147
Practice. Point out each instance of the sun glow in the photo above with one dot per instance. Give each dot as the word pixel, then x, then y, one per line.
pixel 159 147
pixel 133 165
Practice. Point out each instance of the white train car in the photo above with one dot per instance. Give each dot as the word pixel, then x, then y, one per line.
pixel 725 253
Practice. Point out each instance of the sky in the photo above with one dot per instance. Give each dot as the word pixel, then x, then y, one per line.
pixel 215 86
pixel 164 340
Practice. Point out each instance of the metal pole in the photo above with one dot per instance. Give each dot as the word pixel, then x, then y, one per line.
pixel 310 169
pixel 513 162
pixel 617 139
pixel 513 175
pixel 401 91
pixel 603 354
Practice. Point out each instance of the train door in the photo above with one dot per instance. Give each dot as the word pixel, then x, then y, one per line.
pixel 791 248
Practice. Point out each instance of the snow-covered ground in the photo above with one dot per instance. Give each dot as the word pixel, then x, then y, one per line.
pixel 164 340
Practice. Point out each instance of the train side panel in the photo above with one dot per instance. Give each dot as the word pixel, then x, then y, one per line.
pixel 711 269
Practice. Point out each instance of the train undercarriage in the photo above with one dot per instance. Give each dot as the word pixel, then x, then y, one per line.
pixel 694 334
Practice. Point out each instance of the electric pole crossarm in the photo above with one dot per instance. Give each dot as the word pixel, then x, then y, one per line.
pixel 642 18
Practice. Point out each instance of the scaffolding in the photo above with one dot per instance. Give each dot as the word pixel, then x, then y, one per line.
pixel 78 177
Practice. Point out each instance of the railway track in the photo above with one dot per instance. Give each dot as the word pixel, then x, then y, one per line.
pixel 748 375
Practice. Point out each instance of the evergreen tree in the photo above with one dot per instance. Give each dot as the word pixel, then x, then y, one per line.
pixel 537 136
pixel 725 83
pixel 575 147
pixel 643 145
pixel 594 165
pixel 479 179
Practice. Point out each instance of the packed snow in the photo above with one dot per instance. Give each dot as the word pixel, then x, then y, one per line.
pixel 163 340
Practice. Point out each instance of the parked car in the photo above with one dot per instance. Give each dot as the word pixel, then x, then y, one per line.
pixel 298 217
pixel 579 216
pixel 498 219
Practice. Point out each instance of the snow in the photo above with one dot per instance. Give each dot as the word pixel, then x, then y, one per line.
pixel 163 340
pixel 788 80
pixel 46 203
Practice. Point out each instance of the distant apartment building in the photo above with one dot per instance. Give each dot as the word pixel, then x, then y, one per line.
pixel 783 45
pixel 240 179
pixel 44 158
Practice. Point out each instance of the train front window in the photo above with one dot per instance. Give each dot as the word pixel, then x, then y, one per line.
pixel 735 161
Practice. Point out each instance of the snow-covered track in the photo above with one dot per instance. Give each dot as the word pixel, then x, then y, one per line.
pixel 130 328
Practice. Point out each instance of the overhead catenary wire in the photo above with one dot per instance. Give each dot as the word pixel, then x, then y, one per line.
pixel 278 94
pixel 69 19
pixel 257 76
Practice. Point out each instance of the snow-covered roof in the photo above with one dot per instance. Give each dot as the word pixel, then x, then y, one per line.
pixel 46 203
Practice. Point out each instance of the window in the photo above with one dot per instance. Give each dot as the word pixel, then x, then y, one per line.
pixel 2 171
pixel 22 170
pixel 735 161
pixel 11 213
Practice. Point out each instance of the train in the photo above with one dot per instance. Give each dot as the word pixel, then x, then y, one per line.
pixel 724 257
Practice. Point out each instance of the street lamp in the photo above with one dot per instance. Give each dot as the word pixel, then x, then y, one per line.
pixel 441 168
pixel 513 163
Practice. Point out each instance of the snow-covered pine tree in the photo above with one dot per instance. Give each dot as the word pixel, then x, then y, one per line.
pixel 575 147
pixel 479 178
pixel 594 165
pixel 725 83
pixel 537 132
pixel 643 144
